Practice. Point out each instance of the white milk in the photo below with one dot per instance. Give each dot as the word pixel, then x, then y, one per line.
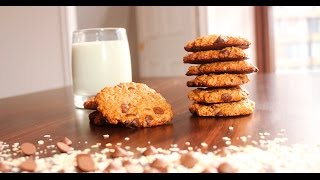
pixel 96 65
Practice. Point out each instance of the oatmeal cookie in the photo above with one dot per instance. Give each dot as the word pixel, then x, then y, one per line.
pixel 226 54
pixel 212 42
pixel 133 105
pixel 218 80
pixel 90 104
pixel 218 95
pixel 243 107
pixel 232 67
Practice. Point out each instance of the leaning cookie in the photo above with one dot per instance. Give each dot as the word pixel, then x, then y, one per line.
pixel 243 107
pixel 133 105
pixel 218 80
pixel 218 95
pixel 226 54
pixel 212 42
pixel 232 67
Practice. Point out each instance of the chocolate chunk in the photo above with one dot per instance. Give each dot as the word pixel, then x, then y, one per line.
pixel 4 168
pixel 225 53
pixel 220 40
pixel 64 148
pixel 28 148
pixel 67 141
pixel 148 118
pixel 85 162
pixel 188 160
pixel 119 152
pixel 28 165
pixel 159 164
pixel 124 108
pixel 134 123
pixel 226 97
pixel 226 168
pixel 150 151
pixel 158 110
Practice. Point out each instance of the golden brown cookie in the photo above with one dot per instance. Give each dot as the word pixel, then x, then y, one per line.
pixel 97 118
pixel 134 105
pixel 232 67
pixel 226 54
pixel 218 95
pixel 212 42
pixel 90 104
pixel 243 107
pixel 218 80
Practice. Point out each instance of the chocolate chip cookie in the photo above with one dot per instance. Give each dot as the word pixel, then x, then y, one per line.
pixel 226 54
pixel 218 95
pixel 218 80
pixel 243 107
pixel 133 105
pixel 212 42
pixel 232 67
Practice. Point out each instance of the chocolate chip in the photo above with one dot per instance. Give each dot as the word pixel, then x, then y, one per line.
pixel 67 141
pixel 226 97
pixel 85 162
pixel 28 165
pixel 64 148
pixel 127 162
pixel 134 123
pixel 148 118
pixel 4 168
pixel 119 152
pixel 188 160
pixel 226 168
pixel 150 151
pixel 131 88
pixel 159 164
pixel 114 165
pixel 124 108
pixel 220 40
pixel 28 148
pixel 224 52
pixel 158 110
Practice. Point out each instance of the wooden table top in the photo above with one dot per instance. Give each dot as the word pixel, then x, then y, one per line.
pixel 283 101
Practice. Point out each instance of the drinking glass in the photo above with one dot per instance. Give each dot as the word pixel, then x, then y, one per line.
pixel 100 58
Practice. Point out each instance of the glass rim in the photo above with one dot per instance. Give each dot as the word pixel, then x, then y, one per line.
pixel 98 29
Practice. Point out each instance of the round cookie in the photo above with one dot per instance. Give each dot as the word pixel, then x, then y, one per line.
pixel 218 80
pixel 226 54
pixel 232 67
pixel 212 42
pixel 243 107
pixel 133 105
pixel 218 95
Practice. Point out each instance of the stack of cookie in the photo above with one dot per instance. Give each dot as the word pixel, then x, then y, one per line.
pixel 221 69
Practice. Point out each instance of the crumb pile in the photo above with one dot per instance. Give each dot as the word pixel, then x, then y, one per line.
pixel 222 69
pixel 261 156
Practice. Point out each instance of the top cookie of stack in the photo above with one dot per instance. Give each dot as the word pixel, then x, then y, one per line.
pixel 223 68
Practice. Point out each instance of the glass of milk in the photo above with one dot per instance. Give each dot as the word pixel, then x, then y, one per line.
pixel 100 58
